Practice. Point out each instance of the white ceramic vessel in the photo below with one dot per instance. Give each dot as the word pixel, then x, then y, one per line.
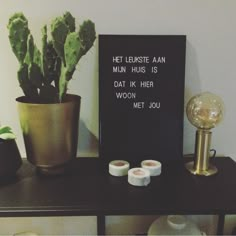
pixel 174 225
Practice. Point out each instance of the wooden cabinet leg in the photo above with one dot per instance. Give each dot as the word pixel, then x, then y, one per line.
pixel 220 225
pixel 101 224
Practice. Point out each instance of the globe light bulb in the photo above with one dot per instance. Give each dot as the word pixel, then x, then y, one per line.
pixel 204 111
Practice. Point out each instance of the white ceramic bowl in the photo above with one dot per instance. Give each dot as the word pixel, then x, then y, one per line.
pixel 174 225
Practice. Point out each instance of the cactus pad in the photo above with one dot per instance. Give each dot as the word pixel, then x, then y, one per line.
pixel 28 89
pixel 35 75
pixel 44 51
pixel 72 51
pixel 59 32
pixel 30 47
pixel 18 15
pixel 53 64
pixel 70 21
pixel 18 34
pixel 87 35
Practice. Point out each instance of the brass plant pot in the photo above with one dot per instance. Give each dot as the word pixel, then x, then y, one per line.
pixel 50 132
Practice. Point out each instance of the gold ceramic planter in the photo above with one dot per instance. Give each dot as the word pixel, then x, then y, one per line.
pixel 50 132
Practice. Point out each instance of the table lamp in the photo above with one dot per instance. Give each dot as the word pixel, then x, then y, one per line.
pixel 204 111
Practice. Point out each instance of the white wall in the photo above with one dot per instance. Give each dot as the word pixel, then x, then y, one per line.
pixel 210 64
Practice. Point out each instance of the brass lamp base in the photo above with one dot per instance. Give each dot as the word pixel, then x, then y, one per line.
pixel 211 170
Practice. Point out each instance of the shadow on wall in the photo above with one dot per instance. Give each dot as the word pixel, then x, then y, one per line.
pixel 192 87
pixel 87 141
pixel 85 83
pixel 192 76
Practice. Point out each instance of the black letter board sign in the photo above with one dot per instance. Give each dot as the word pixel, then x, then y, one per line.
pixel 141 97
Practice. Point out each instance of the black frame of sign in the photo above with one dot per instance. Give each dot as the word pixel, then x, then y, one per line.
pixel 141 97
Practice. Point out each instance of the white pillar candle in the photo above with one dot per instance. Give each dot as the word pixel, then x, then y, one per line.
pixel 118 167
pixel 153 166
pixel 138 177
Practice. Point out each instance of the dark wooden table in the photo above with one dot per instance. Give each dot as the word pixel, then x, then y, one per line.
pixel 88 189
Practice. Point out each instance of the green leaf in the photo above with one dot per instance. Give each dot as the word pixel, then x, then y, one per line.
pixel 5 129
pixel 6 133
pixel 7 136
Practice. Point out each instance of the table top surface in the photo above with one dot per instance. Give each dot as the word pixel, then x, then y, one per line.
pixel 88 189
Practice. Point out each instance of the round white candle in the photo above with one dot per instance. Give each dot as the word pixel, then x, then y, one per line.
pixel 138 177
pixel 153 166
pixel 118 167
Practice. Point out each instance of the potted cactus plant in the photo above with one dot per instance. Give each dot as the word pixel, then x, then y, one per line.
pixel 48 115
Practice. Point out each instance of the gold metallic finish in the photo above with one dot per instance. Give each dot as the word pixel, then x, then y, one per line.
pixel 201 165
pixel 50 132
pixel 204 111
pixel 210 171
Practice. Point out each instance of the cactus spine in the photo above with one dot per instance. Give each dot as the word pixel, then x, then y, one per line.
pixel 44 76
